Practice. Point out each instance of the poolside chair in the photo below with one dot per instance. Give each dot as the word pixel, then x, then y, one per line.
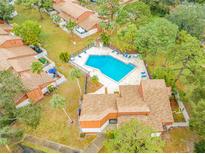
pixel 144 76
pixel 84 51
pixel 79 56
pixel 143 72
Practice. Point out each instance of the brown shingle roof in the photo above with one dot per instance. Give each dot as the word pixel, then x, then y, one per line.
pixel 97 106
pixel 72 9
pixel 15 52
pixel 90 22
pixel 5 27
pixel 4 38
pixel 151 97
pixel 3 32
pixel 4 64
pixel 23 63
pixel 33 80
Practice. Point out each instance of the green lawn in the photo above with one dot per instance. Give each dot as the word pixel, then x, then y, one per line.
pixel 53 124
pixel 179 140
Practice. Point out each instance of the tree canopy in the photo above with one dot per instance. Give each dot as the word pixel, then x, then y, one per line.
pixel 126 37
pixel 137 12
pixel 189 17
pixel 159 7
pixel 29 31
pixel 41 4
pixel 133 137
pixel 6 10
pixel 198 118
pixel 158 35
pixel 187 53
pixel 11 88
pixel 108 8
pixel 57 101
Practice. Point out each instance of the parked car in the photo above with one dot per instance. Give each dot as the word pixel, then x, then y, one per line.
pixel 37 49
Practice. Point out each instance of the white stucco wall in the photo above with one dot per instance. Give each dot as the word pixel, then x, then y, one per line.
pixel 24 103
pixel 95 130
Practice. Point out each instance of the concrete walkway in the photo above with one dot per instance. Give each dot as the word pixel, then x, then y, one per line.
pixel 96 145
pixel 50 144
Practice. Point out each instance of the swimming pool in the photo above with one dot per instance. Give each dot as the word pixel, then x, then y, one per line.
pixel 110 66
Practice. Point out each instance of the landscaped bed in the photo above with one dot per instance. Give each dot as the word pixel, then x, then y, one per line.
pixel 177 114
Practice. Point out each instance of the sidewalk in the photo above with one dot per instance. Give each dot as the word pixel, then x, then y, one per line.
pixel 50 145
pixel 96 145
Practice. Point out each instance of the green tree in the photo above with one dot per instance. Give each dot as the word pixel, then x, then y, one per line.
pixel 76 74
pixel 37 67
pixel 70 26
pixel 11 88
pixel 165 73
pixel 30 115
pixel 10 135
pixel 6 10
pixel 58 101
pixel 197 79
pixel 160 7
pixel 197 1
pixel 187 53
pixel 189 17
pixel 198 118
pixel 199 147
pixel 126 37
pixel 40 4
pixel 107 27
pixel 137 13
pixel 156 36
pixel 64 57
pixel 133 137
pixel 29 31
pixel 105 38
pixel 108 8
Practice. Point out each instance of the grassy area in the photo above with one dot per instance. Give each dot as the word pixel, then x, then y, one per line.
pixel 39 148
pixel 179 140
pixel 54 124
pixel 54 39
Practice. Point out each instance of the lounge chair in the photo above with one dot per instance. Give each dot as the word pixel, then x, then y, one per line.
pixel 144 76
pixel 79 56
pixel 143 72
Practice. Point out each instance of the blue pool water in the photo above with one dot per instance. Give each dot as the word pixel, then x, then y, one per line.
pixel 111 67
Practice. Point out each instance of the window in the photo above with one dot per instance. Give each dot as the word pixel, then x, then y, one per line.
pixel 113 121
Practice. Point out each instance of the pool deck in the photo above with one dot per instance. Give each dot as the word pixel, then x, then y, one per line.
pixel 132 78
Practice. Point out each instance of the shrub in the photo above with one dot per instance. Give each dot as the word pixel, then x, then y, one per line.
pixel 105 38
pixel 55 18
pixel 199 147
pixel 29 31
pixel 51 88
pixel 95 79
pixel 64 57
pixel 82 135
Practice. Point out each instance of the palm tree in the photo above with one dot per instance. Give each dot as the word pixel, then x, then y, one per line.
pixel 58 101
pixel 70 26
pixel 37 68
pixel 76 74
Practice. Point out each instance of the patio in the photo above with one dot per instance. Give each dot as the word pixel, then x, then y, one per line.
pixel 132 78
